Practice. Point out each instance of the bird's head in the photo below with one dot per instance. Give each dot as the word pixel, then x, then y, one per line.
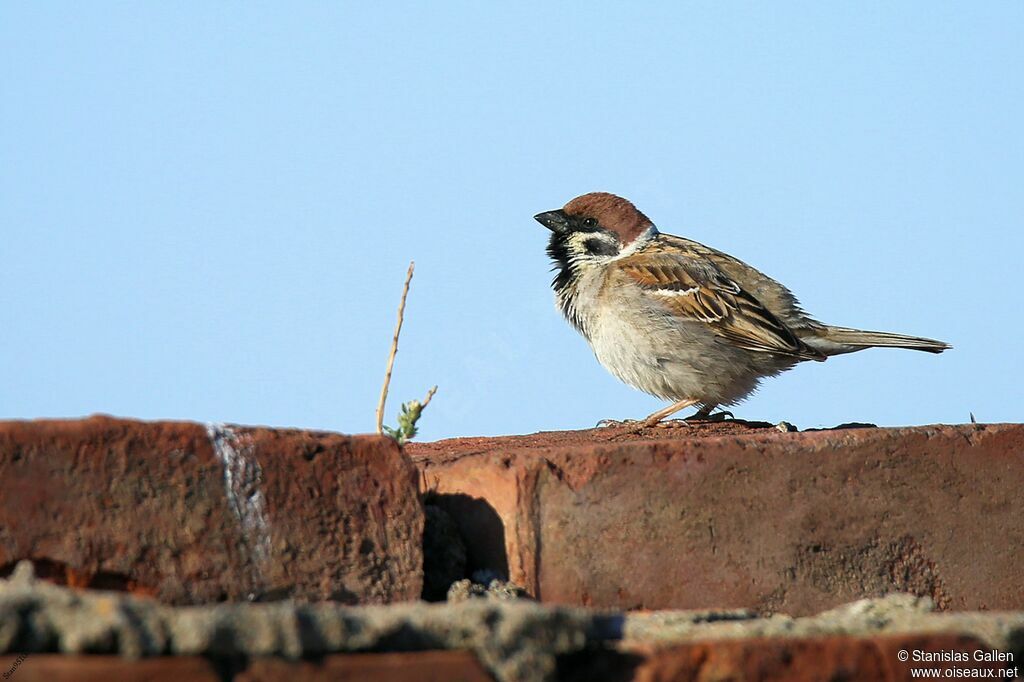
pixel 590 229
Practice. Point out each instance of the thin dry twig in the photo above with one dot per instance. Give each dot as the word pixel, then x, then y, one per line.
pixel 394 351
pixel 430 394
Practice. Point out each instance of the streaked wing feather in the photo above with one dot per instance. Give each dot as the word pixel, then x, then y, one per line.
pixel 705 294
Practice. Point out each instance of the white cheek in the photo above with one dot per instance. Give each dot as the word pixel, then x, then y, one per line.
pixel 645 237
pixel 580 252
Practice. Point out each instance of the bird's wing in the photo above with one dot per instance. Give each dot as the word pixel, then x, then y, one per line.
pixel 693 288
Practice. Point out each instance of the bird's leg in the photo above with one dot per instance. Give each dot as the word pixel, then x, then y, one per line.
pixel 650 420
pixel 703 413
pixel 668 411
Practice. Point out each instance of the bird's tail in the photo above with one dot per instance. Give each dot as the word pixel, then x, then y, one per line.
pixel 838 340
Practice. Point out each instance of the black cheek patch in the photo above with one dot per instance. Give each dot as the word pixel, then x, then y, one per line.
pixel 596 246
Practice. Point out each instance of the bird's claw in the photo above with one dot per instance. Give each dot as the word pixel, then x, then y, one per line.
pixel 640 424
pixel 608 423
pixel 668 424
pixel 720 416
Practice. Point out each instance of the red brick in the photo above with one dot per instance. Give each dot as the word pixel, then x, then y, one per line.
pixel 730 516
pixel 58 668
pixel 421 666
pixel 851 659
pixel 119 504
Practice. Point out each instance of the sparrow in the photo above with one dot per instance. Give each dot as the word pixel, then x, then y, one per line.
pixel 677 319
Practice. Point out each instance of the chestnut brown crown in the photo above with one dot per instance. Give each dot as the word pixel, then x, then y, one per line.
pixel 612 213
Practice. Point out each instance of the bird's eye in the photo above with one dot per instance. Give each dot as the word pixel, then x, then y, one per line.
pixel 589 222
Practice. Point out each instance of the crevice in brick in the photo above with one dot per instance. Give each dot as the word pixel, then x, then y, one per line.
pixel 444 552
pixel 597 664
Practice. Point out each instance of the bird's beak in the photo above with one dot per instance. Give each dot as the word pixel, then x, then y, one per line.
pixel 556 221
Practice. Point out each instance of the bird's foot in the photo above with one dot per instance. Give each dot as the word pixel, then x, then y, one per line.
pixel 611 423
pixel 720 416
pixel 668 424
pixel 638 425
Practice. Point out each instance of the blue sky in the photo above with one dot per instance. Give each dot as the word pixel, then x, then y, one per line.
pixel 207 209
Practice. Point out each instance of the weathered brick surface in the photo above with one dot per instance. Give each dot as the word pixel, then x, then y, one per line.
pixel 852 659
pixel 420 666
pixel 513 641
pixel 847 658
pixel 195 514
pixel 732 516
pixel 57 668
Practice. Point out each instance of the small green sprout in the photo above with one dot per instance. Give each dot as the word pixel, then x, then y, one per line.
pixel 410 414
